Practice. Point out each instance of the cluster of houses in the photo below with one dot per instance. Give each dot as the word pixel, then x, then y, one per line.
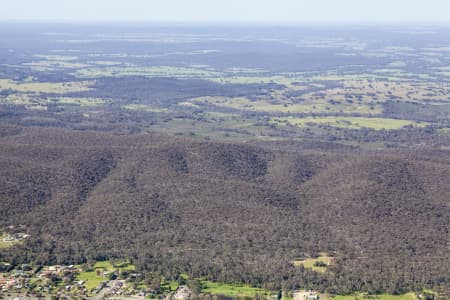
pixel 306 295
pixel 14 280
pixel 57 270
pixel 62 281
pixel 113 287
pixel 37 280
pixel 12 283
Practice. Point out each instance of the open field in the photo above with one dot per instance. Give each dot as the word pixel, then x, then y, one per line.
pixel 277 105
pixel 91 279
pixel 349 122
pixel 315 263
pixel 296 81
pixel 54 57
pixel 99 271
pixel 45 87
pixel 230 290
pixel 170 286
pixel 4 243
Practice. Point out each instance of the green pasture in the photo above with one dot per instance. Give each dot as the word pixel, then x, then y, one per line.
pixel 94 277
pixel 310 263
pixel 231 290
pixel 349 122
pixel 45 87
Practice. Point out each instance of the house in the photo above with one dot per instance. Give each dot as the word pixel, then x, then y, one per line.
pixel 51 268
pixel 306 295
pixel 312 296
pixel 79 282
pixel 8 238
pixel 72 268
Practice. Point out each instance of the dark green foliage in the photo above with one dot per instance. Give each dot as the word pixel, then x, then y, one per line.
pixel 320 264
pixel 165 91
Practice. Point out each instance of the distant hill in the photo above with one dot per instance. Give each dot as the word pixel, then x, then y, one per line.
pixel 228 211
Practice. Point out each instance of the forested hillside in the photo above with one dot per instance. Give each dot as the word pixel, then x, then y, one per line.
pixel 231 212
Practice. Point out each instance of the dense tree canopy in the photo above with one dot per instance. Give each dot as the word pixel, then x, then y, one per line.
pixel 229 212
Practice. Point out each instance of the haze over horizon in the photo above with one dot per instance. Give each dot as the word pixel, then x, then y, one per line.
pixel 252 11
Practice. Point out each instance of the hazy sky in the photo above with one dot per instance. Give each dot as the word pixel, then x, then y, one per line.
pixel 298 11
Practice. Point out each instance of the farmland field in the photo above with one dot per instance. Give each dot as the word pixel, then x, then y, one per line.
pixel 231 290
pixel 350 122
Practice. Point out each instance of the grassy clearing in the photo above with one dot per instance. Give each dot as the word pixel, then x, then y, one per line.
pixel 4 243
pixel 169 285
pixel 91 279
pixel 349 122
pixel 288 81
pixel 105 62
pixel 56 57
pixel 231 290
pixel 311 263
pixel 123 266
pixel 408 296
pixel 429 292
pixel 397 64
pixel 105 265
pixel 280 105
pixel 45 87
pixel 95 276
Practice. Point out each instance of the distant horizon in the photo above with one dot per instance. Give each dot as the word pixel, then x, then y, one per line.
pixel 336 24
pixel 230 11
